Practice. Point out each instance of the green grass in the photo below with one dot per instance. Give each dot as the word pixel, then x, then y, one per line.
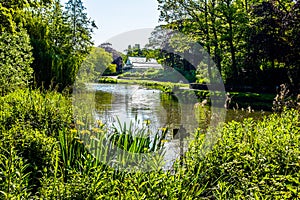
pixel 166 87
pixel 163 75
pixel 255 100
pixel 42 156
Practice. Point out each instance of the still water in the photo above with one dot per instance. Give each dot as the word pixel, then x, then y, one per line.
pixel 133 103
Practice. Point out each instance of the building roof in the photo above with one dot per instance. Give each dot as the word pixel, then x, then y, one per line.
pixel 142 62
pixel 137 60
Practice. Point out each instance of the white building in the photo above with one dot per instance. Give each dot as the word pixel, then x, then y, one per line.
pixel 142 63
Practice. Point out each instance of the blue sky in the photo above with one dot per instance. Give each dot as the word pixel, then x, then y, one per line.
pixel 114 17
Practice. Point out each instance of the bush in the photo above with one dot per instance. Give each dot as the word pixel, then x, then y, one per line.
pixel 29 124
pixel 16 57
pixel 33 149
pixel 13 178
pixel 45 111
pixel 108 80
pixel 252 159
pixel 111 70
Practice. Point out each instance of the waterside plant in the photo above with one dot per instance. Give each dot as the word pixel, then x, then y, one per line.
pixel 42 156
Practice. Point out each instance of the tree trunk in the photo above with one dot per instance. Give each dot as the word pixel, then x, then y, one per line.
pixel 207 42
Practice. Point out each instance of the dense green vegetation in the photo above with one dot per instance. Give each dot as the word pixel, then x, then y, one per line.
pixel 15 53
pixel 42 156
pixel 97 63
pixel 50 40
pixel 254 43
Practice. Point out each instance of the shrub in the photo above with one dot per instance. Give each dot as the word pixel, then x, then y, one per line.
pixel 253 159
pixel 45 111
pixel 16 57
pixel 29 123
pixel 13 178
pixel 111 69
pixel 34 150
pixel 107 80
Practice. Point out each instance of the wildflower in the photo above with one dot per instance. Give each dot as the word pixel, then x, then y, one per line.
pixel 163 129
pixel 85 132
pixel 93 137
pixel 99 123
pixel 79 140
pixel 73 131
pixel 80 123
pixel 96 130
pixel 147 122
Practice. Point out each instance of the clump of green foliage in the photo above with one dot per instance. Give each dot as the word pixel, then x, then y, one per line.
pixel 16 58
pixel 45 111
pixel 29 125
pixel 135 139
pixel 111 69
pixel 107 80
pixel 96 63
pixel 252 159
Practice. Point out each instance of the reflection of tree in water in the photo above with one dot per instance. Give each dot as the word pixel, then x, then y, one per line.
pixel 188 114
pixel 202 115
pixel 172 108
pixel 103 101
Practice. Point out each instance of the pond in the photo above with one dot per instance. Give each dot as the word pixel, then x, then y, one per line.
pixel 134 103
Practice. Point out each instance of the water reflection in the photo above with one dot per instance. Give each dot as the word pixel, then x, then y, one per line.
pixel 135 103
pixel 103 101
pixel 172 109
pixel 130 102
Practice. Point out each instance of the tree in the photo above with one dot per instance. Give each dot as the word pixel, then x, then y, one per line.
pixel 293 59
pixel 81 27
pixel 94 65
pixel 15 54
pixel 273 42
pixel 61 40
pixel 221 27
pixel 174 50
pixel 116 56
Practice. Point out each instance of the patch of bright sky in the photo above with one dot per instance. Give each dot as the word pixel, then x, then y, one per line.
pixel 114 17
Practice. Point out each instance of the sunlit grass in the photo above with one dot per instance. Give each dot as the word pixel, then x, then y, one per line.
pixel 44 155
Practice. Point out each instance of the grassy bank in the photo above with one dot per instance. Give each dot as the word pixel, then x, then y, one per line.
pixel 255 100
pixel 167 87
